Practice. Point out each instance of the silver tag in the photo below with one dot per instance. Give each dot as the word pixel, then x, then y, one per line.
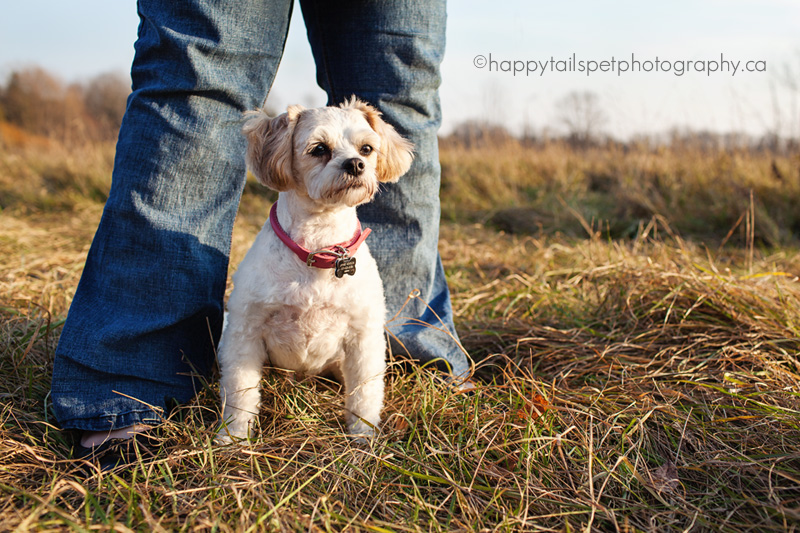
pixel 345 265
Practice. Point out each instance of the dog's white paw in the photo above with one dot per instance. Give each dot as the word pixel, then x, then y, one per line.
pixel 223 439
pixel 361 432
pixel 230 434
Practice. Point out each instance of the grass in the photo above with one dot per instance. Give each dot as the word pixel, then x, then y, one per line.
pixel 618 189
pixel 625 381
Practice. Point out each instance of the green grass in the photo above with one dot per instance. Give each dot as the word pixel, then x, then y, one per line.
pixel 649 383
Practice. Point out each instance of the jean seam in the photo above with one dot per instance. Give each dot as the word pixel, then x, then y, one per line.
pixel 333 95
pixel 283 51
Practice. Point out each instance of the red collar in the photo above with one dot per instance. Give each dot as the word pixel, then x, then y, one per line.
pixel 327 257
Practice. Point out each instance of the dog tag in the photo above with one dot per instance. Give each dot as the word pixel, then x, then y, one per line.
pixel 345 265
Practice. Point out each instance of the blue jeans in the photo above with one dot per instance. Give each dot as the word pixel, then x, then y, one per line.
pixel 143 326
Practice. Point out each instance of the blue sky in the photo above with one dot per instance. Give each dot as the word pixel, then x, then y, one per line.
pixel 79 39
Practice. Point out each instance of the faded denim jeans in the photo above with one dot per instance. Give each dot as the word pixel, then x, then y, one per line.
pixel 143 326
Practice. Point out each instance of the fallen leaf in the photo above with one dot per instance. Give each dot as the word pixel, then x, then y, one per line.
pixel 665 478
pixel 534 408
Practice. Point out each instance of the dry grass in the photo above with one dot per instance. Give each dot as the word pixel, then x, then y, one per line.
pixel 41 175
pixel 646 384
pixel 617 189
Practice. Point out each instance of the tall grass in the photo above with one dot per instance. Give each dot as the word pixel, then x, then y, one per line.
pixel 38 174
pixel 616 189
pixel 643 383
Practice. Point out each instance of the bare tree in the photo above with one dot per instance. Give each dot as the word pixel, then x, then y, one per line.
pixel 32 100
pixel 105 97
pixel 479 134
pixel 582 116
pixel 789 77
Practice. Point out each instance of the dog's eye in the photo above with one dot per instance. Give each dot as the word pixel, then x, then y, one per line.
pixel 320 150
pixel 366 149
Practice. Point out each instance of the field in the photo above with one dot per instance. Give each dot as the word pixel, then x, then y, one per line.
pixel 633 314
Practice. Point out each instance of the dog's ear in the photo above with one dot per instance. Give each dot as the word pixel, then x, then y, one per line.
pixel 396 153
pixel 269 147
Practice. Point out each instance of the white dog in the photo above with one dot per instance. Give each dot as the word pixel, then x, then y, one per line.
pixel 308 297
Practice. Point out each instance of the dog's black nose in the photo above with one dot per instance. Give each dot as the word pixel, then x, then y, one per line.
pixel 354 166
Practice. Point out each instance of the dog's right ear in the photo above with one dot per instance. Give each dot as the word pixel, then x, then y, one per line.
pixel 269 147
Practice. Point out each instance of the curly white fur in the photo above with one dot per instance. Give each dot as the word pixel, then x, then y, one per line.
pixel 324 162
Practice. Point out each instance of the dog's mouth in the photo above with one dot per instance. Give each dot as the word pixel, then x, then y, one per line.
pixel 347 187
pixel 349 183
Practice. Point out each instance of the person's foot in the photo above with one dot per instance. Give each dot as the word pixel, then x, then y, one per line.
pixel 108 450
pixel 91 439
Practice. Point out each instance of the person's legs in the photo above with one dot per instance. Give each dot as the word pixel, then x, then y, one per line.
pixel 148 310
pixel 388 54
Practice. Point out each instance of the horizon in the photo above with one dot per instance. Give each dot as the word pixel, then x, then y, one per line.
pixel 532 57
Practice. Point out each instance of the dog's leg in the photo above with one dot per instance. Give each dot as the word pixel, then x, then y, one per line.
pixel 241 360
pixel 363 370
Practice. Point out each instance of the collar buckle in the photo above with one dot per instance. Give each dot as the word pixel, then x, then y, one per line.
pixel 338 251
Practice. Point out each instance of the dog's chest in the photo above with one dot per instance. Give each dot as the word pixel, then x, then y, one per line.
pixel 306 338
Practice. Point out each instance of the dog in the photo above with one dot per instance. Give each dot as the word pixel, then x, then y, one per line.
pixel 308 297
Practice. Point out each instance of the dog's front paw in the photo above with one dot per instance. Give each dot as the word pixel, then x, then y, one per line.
pixel 361 431
pixel 223 438
pixel 231 433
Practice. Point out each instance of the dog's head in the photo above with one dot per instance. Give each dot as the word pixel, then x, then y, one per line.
pixel 335 155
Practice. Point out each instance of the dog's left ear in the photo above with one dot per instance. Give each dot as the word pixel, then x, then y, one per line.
pixel 396 153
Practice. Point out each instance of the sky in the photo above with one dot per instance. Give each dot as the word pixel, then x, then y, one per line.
pixel 718 65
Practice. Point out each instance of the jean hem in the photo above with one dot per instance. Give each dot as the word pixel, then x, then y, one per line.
pixel 111 422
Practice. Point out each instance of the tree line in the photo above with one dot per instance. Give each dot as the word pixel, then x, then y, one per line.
pixel 39 103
